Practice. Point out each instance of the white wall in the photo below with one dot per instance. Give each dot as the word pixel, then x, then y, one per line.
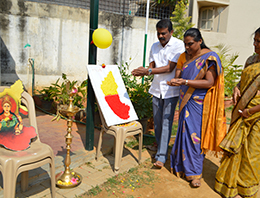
pixel 59 39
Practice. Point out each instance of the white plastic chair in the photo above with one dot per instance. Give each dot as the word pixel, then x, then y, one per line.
pixel 12 163
pixel 120 133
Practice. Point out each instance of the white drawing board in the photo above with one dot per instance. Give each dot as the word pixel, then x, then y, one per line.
pixel 111 94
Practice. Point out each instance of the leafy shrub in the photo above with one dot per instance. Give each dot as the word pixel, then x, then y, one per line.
pixel 138 92
pixel 57 92
pixel 232 72
pixel 181 23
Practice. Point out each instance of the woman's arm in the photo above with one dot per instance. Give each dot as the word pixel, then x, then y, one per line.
pixel 178 73
pixel 205 83
pixel 248 112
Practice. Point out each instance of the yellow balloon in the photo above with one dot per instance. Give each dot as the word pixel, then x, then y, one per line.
pixel 102 38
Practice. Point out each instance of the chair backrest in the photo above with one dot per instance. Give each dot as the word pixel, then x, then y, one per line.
pixel 27 100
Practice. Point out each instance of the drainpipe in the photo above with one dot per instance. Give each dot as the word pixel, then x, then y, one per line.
pixel 31 61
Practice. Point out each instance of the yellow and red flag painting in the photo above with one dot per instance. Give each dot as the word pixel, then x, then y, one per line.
pixel 111 94
pixel 109 88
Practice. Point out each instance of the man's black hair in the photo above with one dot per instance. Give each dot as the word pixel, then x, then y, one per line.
pixel 164 23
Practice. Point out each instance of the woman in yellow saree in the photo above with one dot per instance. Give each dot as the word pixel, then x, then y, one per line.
pixel 239 173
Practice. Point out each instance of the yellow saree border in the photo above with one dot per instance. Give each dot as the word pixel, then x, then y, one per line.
pixel 181 174
pixel 224 189
pixel 214 128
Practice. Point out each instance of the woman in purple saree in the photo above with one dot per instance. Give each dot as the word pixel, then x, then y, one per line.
pixel 201 118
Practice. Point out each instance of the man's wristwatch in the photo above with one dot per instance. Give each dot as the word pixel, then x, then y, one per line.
pixel 149 71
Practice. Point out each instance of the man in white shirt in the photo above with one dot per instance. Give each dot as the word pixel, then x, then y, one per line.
pixel 164 55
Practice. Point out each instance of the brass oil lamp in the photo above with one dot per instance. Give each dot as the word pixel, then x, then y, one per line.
pixel 68 178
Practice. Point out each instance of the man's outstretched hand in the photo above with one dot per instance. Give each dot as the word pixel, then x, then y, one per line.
pixel 140 71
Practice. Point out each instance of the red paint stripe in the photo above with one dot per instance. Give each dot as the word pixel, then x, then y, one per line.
pixel 119 108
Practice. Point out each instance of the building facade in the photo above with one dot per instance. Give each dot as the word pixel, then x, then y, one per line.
pixel 228 22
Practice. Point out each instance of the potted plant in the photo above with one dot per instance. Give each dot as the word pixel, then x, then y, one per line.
pixel 44 100
pixel 57 92
pixel 137 89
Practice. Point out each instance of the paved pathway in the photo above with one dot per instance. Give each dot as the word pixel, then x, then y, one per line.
pixel 82 161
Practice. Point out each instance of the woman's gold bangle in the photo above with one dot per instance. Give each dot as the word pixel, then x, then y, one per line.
pixel 248 112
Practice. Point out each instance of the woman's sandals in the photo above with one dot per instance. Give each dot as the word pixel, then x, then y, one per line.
pixel 195 183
